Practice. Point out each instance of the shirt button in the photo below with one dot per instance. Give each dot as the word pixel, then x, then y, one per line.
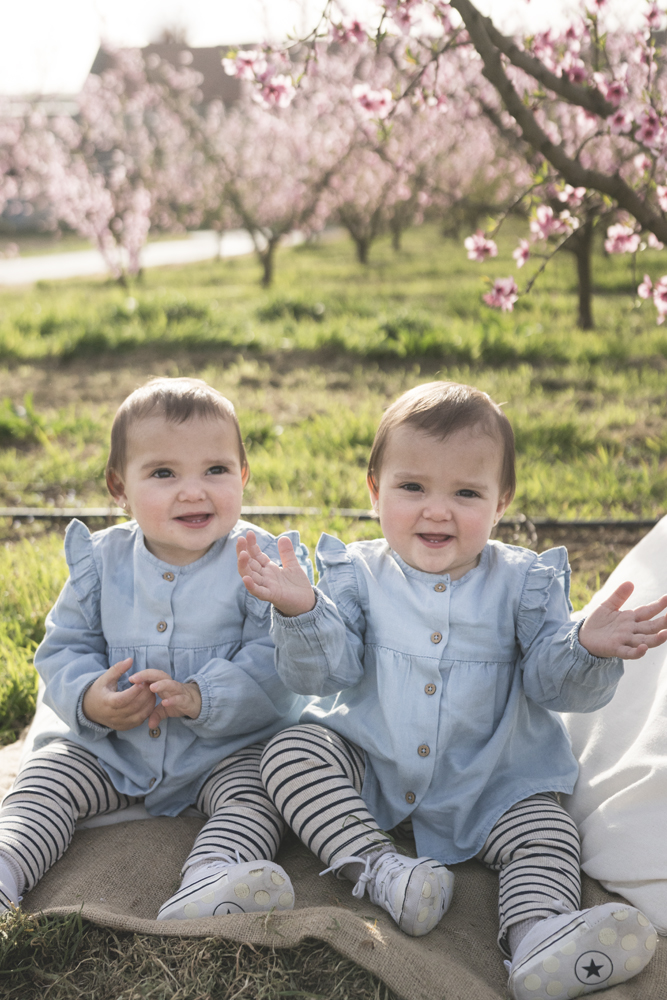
pixel 168 576
pixel 436 637
pixel 440 587
pixel 151 782
pixel 154 733
pixel 430 689
pixel 423 750
pixel 161 626
pixel 410 797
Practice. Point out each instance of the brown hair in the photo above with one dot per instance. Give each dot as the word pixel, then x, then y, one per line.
pixel 440 409
pixel 175 399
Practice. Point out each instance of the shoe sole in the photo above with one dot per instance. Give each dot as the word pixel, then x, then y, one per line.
pixel 253 890
pixel 420 915
pixel 578 959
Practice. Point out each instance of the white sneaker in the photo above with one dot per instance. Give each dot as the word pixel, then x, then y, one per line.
pixel 578 953
pixel 224 886
pixel 415 892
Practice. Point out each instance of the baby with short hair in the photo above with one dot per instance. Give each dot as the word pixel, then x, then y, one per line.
pixel 159 665
pixel 439 659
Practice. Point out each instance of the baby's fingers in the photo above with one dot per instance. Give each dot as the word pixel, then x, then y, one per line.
pixel 649 627
pixel 650 610
pixel 644 643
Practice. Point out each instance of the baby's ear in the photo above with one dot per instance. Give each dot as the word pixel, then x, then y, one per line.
pixel 115 486
pixel 373 491
pixel 503 504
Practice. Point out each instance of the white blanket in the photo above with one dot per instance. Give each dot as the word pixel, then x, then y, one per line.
pixel 620 800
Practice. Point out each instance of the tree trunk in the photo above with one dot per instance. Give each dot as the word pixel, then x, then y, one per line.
pixel 396 234
pixel 362 243
pixel 267 259
pixel 582 246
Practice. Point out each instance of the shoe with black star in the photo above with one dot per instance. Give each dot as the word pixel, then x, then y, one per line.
pixel 573 954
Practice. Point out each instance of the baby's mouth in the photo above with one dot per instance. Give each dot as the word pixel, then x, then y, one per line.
pixel 435 541
pixel 195 520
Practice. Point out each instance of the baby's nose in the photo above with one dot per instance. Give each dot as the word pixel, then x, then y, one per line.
pixel 438 509
pixel 191 490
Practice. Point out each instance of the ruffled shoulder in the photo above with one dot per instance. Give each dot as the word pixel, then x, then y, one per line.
pixel 548 570
pixel 83 575
pixel 335 565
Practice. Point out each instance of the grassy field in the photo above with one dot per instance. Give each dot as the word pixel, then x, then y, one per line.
pixel 310 365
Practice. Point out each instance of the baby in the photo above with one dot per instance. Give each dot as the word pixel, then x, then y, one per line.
pixel 439 659
pixel 159 666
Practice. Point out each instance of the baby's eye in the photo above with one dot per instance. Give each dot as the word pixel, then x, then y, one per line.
pixel 216 470
pixel 467 493
pixel 162 474
pixel 411 487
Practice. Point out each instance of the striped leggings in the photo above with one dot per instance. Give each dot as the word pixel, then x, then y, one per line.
pixel 63 783
pixel 314 777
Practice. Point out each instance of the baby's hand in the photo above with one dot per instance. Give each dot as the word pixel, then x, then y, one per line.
pixel 286 587
pixel 176 699
pixel 608 631
pixel 104 704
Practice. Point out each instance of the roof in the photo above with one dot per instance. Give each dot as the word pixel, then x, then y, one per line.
pixel 216 85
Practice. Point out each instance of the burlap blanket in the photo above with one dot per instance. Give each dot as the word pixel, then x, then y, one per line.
pixel 118 876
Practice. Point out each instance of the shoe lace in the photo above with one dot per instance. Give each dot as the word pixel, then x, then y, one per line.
pixel 376 875
pixel 364 878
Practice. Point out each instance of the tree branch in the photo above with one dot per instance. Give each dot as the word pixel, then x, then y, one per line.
pixel 585 97
pixel 571 170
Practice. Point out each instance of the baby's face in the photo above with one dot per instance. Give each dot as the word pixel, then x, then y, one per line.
pixel 438 500
pixel 184 484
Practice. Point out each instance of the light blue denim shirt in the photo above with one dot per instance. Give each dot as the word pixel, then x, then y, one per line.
pixel 197 623
pixel 449 687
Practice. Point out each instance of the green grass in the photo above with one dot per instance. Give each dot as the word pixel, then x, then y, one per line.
pixel 68 959
pixel 310 366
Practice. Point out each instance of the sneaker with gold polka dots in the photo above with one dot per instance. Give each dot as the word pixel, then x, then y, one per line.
pixel 219 886
pixel 578 953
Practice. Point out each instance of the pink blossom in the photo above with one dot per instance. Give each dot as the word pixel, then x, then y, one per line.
pixel 504 294
pixel 661 192
pixel 650 130
pixel 645 289
pixel 621 239
pixel 276 92
pixel 573 68
pixel 654 243
pixel 375 103
pixel 401 12
pixel 573 196
pixel 620 122
pixel 642 162
pixel 479 248
pixel 545 223
pixel 246 65
pixel 348 30
pixel 653 17
pixel 615 92
pixel 660 299
pixel 522 253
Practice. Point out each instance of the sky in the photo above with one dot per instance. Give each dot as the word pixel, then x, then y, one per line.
pixel 47 46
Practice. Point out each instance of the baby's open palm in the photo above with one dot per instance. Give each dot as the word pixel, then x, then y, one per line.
pixel 286 587
pixel 608 631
